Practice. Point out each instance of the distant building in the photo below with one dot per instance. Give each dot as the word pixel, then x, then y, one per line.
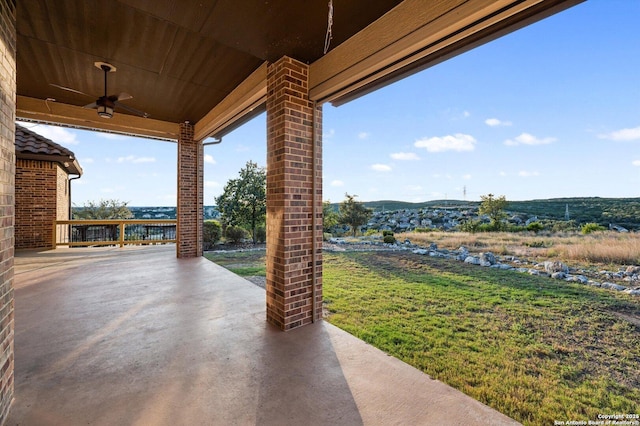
pixel 43 188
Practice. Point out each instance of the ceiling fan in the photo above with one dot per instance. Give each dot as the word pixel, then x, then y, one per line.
pixel 107 103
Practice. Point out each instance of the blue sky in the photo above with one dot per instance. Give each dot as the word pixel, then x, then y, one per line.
pixel 552 110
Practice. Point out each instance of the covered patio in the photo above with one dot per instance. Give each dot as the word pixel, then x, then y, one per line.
pixel 188 71
pixel 184 342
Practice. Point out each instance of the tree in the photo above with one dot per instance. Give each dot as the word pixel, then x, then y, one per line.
pixel 330 217
pixel 494 208
pixel 353 213
pixel 104 209
pixel 244 200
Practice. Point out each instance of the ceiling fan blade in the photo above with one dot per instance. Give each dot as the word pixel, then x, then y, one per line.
pixel 91 105
pixel 124 96
pixel 131 109
pixel 68 89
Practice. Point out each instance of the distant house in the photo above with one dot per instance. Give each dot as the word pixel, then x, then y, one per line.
pixel 43 188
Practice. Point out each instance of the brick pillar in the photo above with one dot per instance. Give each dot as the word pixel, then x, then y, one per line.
pixel 7 198
pixel 290 190
pixel 190 177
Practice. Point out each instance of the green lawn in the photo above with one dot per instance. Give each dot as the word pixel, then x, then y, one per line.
pixel 533 348
pixel 536 349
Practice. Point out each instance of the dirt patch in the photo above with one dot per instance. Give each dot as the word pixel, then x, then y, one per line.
pixel 257 280
pixel 633 319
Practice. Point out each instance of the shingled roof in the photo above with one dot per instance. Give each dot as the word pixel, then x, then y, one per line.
pixel 32 146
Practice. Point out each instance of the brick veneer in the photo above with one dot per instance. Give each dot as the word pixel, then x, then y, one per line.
pixel 7 191
pixel 190 179
pixel 290 121
pixel 41 198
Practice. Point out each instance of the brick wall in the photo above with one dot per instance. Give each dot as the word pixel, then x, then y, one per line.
pixel 36 200
pixel 7 190
pixel 190 192
pixel 290 184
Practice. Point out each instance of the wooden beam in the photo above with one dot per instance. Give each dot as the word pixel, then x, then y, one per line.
pixel 414 33
pixel 38 110
pixel 249 95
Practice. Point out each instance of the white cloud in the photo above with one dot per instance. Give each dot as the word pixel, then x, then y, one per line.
pixel 329 134
pixel 636 163
pixel 458 142
pixel 108 190
pixel 337 183
pixel 529 139
pixel 414 188
pixel 405 156
pixel 381 167
pixel 494 122
pixel 363 135
pixel 466 177
pixel 208 158
pixel 86 160
pixel 622 135
pixel 502 174
pixel 59 135
pixel 525 173
pixel 212 184
pixel 242 148
pixel 111 136
pixel 466 114
pixel 136 160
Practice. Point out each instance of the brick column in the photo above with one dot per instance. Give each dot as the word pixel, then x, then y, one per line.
pixel 190 181
pixel 7 198
pixel 290 197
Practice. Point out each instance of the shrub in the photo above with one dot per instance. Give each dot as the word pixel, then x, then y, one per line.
pixel 261 234
pixel 535 227
pixel 235 234
pixel 370 232
pixel 590 227
pixel 389 239
pixel 387 233
pixel 211 233
pixel 423 230
pixel 326 236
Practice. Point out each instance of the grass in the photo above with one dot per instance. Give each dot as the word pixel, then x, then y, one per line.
pixel 532 348
pixel 243 263
pixel 601 248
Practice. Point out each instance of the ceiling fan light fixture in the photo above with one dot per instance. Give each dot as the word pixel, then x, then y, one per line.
pixel 105 111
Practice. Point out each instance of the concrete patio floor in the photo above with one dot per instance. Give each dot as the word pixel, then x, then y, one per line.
pixel 135 336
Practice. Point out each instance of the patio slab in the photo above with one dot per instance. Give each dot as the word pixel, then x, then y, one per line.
pixel 135 336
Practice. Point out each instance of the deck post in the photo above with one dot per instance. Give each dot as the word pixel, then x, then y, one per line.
pixel 294 184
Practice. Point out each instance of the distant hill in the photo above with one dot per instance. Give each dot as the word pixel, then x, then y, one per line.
pixel 621 211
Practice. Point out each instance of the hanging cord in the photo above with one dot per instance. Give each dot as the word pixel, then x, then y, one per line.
pixel 329 35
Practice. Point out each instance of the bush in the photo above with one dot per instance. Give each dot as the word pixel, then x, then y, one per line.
pixel 389 239
pixel 326 236
pixel 423 230
pixel 387 233
pixel 235 234
pixel 370 232
pixel 261 234
pixel 211 233
pixel 590 227
pixel 535 227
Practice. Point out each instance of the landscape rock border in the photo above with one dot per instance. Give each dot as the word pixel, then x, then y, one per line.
pixel 553 269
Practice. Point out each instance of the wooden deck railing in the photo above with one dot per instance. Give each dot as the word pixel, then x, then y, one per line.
pixel 74 233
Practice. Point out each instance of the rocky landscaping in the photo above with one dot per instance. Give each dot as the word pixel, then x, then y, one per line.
pixel 626 279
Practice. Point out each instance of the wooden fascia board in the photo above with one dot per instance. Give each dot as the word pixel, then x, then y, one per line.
pixel 247 96
pixel 38 110
pixel 409 33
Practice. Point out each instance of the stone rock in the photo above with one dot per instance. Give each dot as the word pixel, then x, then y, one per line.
pixel 558 275
pixel 632 270
pixel 487 259
pixel 577 279
pixel 523 270
pixel 618 287
pixel 433 246
pixel 472 260
pixel 555 266
pixel 421 251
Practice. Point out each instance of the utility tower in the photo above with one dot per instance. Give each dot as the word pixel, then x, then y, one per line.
pixel 566 212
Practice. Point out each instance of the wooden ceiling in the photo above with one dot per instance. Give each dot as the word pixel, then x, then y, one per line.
pixel 199 60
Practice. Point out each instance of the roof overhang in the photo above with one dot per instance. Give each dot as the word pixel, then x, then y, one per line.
pixel 208 61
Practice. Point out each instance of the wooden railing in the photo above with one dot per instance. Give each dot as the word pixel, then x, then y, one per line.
pixel 75 233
